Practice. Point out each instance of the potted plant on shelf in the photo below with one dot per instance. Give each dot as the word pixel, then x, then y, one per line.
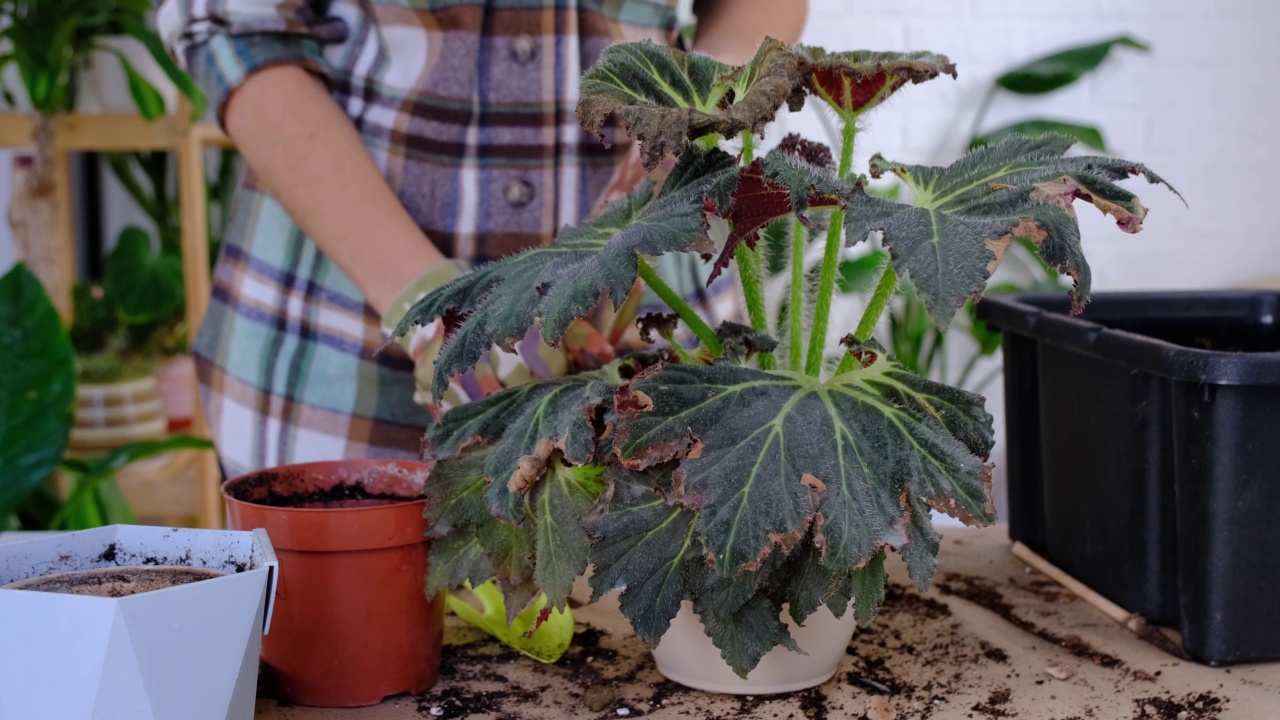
pixel 38 395
pixel 749 485
pixel 146 177
pixel 121 327
pixel 50 43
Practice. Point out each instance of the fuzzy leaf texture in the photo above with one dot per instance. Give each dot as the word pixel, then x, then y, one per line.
pixel 951 237
pixel 665 97
pixel 789 179
pixel 855 81
pixel 766 457
pixel 554 285
pixel 531 426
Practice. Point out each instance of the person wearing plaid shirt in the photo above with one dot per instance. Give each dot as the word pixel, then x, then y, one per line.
pixel 389 144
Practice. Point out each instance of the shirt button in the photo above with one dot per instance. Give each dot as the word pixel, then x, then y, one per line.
pixel 519 193
pixel 524 49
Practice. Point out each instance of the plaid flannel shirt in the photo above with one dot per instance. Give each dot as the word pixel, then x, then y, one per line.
pixel 467 106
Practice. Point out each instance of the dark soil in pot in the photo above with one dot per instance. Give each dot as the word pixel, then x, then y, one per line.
pixel 115 582
pixel 295 487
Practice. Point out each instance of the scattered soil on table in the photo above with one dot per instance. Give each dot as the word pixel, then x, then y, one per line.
pixel 115 582
pixel 983 592
pixel 1195 706
pixel 996 705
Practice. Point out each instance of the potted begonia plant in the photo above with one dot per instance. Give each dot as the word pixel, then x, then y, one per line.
pixel 752 484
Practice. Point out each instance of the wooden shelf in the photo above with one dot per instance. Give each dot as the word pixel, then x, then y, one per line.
pixel 129 132
pixel 111 133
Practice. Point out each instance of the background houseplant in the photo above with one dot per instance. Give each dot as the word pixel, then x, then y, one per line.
pixel 50 42
pixel 744 476
pixel 37 394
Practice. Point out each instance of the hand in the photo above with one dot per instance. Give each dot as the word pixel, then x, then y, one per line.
pixel 583 346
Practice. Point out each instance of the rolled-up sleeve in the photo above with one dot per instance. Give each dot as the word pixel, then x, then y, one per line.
pixel 224 42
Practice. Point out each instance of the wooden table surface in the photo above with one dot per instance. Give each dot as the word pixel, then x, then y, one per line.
pixel 990 639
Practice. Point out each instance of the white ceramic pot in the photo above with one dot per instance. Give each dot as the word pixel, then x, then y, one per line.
pixel 188 651
pixel 686 655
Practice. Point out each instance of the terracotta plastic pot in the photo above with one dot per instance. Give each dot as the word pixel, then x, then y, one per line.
pixel 352 624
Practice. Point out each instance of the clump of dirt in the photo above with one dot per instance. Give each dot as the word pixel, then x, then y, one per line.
pixel 1195 706
pixel 983 592
pixel 996 704
pixel 115 582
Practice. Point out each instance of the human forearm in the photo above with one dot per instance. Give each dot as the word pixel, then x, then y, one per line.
pixel 730 31
pixel 318 168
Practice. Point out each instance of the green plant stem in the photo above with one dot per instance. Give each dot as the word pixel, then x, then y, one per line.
pixel 681 308
pixel 830 260
pixel 748 260
pixel 967 370
pixel 795 310
pixel 879 301
pixel 981 115
pixel 871 316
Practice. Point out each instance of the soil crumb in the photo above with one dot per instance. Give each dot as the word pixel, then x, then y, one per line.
pixel 115 582
pixel 1195 706
pixel 983 592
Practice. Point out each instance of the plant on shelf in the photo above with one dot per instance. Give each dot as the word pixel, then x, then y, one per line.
pixel 37 394
pixel 749 476
pixel 133 316
pixel 50 43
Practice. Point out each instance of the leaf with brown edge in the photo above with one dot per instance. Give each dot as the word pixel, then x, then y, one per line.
pixel 855 81
pixel 786 180
pixel 552 286
pixel 867 437
pixel 952 235
pixel 665 97
pixel 528 426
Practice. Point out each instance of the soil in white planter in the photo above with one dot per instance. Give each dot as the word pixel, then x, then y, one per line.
pixel 115 582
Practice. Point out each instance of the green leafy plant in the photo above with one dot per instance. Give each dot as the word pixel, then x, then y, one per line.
pixel 133 316
pixel 37 396
pixel 51 41
pixel 918 342
pixel 746 475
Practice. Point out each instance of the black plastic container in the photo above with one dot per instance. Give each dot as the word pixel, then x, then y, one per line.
pixel 1143 450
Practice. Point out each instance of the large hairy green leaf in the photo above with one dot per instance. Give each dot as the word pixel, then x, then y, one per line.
pixel 555 284
pixel 665 97
pixel 855 81
pixel 950 239
pixel 645 546
pixel 763 455
pixel 528 425
pixel 557 504
pixel 37 388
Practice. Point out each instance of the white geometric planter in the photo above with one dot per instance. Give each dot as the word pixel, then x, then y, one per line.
pixel 189 651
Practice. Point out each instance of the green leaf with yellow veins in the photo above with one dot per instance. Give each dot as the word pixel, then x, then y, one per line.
pixel 764 454
pixel 551 286
pixel 950 238
pixel 665 98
